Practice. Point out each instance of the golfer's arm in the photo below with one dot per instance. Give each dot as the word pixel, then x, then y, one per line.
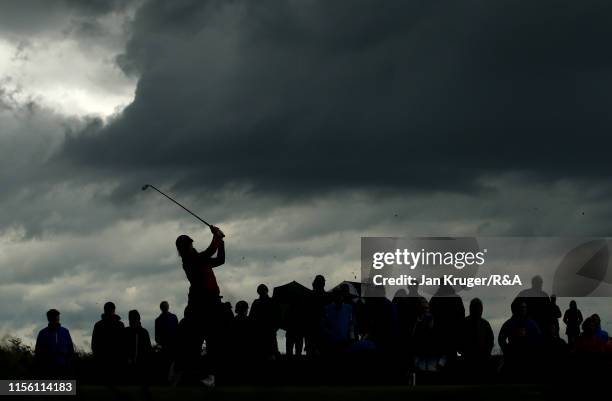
pixel 212 248
pixel 220 259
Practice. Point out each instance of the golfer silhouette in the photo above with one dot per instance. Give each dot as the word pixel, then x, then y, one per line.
pixel 204 302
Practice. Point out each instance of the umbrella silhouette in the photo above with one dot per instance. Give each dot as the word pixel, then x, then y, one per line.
pixel 290 293
pixel 290 296
pixel 353 286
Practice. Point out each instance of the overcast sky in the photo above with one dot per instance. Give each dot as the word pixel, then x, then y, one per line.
pixel 298 127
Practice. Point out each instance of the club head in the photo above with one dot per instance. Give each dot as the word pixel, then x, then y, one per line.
pixel 144 187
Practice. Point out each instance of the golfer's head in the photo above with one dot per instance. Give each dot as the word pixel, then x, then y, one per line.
pixel 184 245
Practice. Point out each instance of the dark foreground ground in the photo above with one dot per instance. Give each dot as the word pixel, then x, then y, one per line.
pixel 335 393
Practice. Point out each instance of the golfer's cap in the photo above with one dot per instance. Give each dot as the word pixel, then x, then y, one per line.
pixel 182 240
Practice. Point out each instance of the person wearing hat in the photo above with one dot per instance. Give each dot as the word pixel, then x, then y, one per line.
pixel 198 267
pixel 203 300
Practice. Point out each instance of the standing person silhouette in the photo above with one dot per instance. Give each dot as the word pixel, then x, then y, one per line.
pixel 554 313
pixel 54 350
pixel 572 319
pixel 204 301
pixel 242 332
pixel 166 327
pixel 265 317
pixel 537 302
pixel 520 341
pixel 166 334
pixel 137 353
pixel 137 346
pixel 448 311
pixel 476 339
pixel 105 343
pixel 315 304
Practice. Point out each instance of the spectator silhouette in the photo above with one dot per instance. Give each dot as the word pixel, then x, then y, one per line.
pixel 407 309
pixel 476 338
pixel 241 349
pixel 448 312
pixel 265 317
pixel 554 313
pixel 338 322
pixel 166 334
pixel 519 339
pixel 295 330
pixel 416 300
pixel 407 305
pixel 425 350
pixel 401 304
pixel 572 319
pixel 166 327
pixel 224 334
pixel 599 332
pixel 379 320
pixel 554 351
pixel 314 309
pixel 242 332
pixel 589 352
pixel 54 350
pixel 137 347
pixel 106 342
pixel 537 301
pixel 589 343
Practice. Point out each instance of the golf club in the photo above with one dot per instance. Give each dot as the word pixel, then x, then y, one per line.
pixel 147 186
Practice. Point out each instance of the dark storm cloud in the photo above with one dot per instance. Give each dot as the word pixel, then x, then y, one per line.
pixel 303 96
pixel 19 18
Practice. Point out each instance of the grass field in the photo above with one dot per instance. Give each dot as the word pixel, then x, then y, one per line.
pixel 353 393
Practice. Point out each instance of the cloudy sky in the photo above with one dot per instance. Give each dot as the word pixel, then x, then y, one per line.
pixel 297 126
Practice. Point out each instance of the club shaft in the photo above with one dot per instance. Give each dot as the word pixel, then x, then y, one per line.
pixel 184 208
